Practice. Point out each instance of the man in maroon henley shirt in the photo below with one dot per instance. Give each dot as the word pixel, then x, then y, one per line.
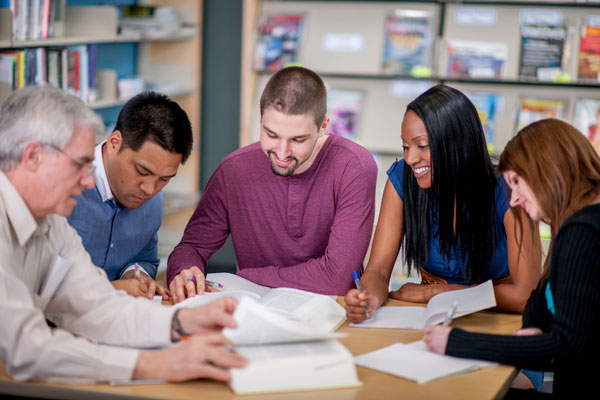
pixel 299 205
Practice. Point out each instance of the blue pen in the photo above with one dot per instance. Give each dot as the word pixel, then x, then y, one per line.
pixel 357 283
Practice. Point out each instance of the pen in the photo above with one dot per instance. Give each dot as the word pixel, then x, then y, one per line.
pixel 214 285
pixel 450 314
pixel 137 272
pixel 357 283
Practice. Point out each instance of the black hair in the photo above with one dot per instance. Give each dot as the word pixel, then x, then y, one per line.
pixel 153 116
pixel 463 181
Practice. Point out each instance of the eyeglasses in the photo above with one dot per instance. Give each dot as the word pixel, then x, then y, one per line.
pixel 82 164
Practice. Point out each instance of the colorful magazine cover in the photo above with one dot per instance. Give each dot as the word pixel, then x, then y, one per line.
pixel 541 52
pixel 408 41
pixel 587 120
pixel 278 42
pixel 487 105
pixel 589 50
pixel 532 110
pixel 476 60
pixel 344 110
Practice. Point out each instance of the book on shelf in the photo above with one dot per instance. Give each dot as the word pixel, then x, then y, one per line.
pixel 415 362
pixel 468 301
pixel 408 41
pixel 315 310
pixel 542 48
pixel 278 41
pixel 36 19
pixel 476 60
pixel 589 50
pixel 71 68
pixel 487 105
pixel 531 110
pixel 344 108
pixel 587 120
pixel 286 336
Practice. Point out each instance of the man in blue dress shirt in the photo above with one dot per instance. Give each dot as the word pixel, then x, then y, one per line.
pixel 118 219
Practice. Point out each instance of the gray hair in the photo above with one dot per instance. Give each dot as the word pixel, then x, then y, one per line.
pixel 40 114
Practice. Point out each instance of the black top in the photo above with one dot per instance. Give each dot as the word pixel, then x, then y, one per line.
pixel 570 344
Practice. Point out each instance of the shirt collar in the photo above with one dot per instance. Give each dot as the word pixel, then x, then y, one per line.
pixel 20 218
pixel 100 175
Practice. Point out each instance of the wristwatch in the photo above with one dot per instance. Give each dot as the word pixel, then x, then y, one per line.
pixel 176 325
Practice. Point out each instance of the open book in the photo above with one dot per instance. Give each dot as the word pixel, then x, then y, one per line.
pixel 286 336
pixel 468 301
pixel 414 361
pixel 315 310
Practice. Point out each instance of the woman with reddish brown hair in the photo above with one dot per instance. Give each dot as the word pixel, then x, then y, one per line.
pixel 554 176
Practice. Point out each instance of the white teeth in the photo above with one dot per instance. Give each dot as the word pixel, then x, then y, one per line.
pixel 421 170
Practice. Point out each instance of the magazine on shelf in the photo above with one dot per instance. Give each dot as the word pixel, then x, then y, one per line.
pixel 589 50
pixel 587 120
pixel 344 110
pixel 487 105
pixel 542 49
pixel 532 110
pixel 278 41
pixel 408 41
pixel 476 60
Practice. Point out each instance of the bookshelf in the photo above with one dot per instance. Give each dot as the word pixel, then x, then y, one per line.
pixel 359 67
pixel 171 62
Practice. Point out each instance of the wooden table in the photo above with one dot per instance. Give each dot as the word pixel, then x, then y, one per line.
pixel 488 383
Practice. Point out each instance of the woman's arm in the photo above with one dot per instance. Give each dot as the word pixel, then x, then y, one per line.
pixel 524 267
pixel 384 251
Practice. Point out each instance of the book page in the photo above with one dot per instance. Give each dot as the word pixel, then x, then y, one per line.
pixel 235 282
pixel 259 324
pixel 469 300
pixel 317 310
pixel 209 297
pixel 415 362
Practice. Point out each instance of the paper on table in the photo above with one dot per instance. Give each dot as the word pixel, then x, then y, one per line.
pixel 415 362
pixel 469 300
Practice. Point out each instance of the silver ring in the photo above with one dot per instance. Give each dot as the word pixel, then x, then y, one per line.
pixel 208 360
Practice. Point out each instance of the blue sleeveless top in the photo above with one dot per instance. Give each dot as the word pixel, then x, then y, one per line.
pixel 452 270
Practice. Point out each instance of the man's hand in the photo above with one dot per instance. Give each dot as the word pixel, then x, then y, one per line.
pixel 436 338
pixel 201 356
pixel 355 303
pixel 145 287
pixel 188 283
pixel 209 318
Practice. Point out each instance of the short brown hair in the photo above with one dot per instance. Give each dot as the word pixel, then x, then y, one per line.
pixel 560 166
pixel 296 90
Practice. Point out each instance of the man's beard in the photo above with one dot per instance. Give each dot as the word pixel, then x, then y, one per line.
pixel 277 170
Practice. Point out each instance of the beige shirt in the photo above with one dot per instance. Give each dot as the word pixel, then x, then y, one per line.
pixel 92 317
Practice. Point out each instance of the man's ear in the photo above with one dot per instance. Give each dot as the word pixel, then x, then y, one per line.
pixel 32 156
pixel 323 127
pixel 114 142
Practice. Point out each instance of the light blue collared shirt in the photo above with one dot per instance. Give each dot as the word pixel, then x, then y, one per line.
pixel 117 237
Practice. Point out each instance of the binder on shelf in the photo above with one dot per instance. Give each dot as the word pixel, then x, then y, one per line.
pixel 587 120
pixel 542 52
pixel 476 60
pixel 408 42
pixel 278 42
pixel 344 110
pixel 532 110
pixel 589 50
pixel 487 105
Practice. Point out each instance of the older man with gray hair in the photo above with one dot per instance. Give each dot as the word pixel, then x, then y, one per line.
pixel 46 151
